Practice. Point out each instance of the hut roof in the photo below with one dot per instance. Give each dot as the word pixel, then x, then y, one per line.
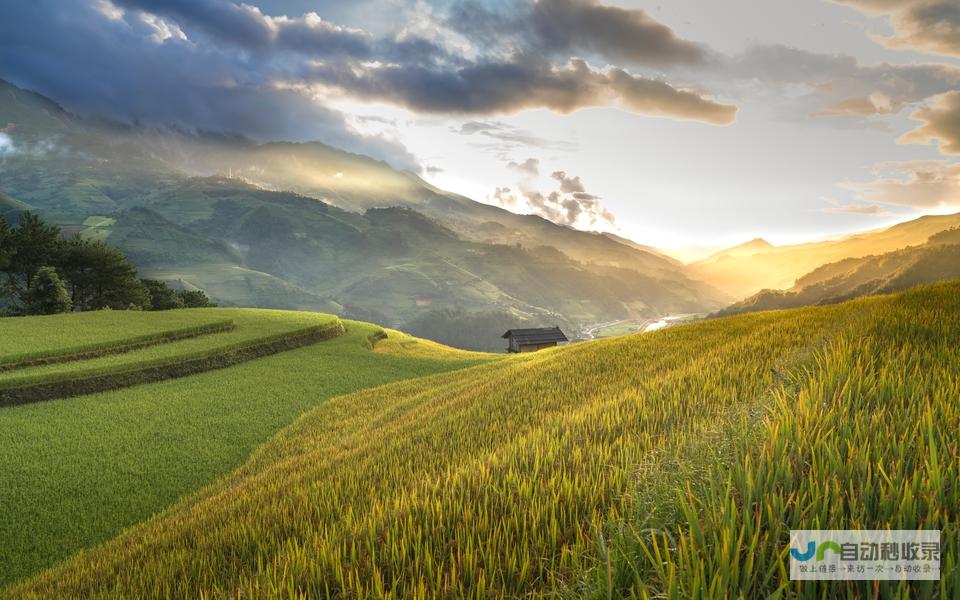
pixel 536 335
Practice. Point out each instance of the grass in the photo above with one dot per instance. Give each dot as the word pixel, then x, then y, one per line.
pixel 483 483
pixel 120 346
pixel 76 472
pixel 864 438
pixel 669 464
pixel 39 337
pixel 252 326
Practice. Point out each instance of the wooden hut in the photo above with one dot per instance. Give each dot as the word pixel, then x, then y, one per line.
pixel 533 339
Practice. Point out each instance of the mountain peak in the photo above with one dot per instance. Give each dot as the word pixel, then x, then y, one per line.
pixel 758 242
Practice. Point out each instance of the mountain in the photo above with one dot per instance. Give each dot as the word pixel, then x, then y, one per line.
pixel 746 249
pixel 307 226
pixel 74 167
pixel 745 270
pixel 393 263
pixel 936 260
pixel 10 208
pixel 357 183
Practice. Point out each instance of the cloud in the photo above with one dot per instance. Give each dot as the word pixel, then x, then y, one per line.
pixel 833 85
pixel 6 145
pixel 420 75
pixel 510 87
pixel 570 211
pixel 511 137
pixel 941 124
pixel 104 61
pixel 568 185
pixel 620 35
pixel 245 26
pixel 918 184
pixel 505 197
pixel 565 28
pixel 225 66
pixel 656 98
pixel 570 204
pixel 529 167
pixel 926 25
pixel 876 104
pixel 874 210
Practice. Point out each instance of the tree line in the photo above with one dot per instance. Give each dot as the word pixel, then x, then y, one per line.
pixel 42 272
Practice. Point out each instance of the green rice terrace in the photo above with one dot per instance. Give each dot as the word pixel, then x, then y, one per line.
pixel 370 464
pixel 218 338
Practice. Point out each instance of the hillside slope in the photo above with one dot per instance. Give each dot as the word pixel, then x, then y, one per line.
pixel 305 226
pixel 505 479
pixel 78 471
pixel 388 265
pixel 10 209
pixel 743 273
pixel 937 260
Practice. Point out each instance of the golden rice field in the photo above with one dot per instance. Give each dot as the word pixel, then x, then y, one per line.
pixel 669 464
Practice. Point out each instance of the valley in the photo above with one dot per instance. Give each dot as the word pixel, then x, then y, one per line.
pixel 309 227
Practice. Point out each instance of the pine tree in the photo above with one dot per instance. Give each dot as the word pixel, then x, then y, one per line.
pixel 46 295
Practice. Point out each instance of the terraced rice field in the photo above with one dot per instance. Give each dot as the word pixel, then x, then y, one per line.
pixel 663 465
pixel 77 471
pixel 250 330
pixel 23 339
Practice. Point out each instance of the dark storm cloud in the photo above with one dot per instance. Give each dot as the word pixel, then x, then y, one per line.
pixel 509 87
pixel 241 24
pixel 114 67
pixel 226 66
pixel 247 27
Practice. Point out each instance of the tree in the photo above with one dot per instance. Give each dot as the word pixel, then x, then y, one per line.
pixel 32 244
pixel 46 295
pixel 5 249
pixel 6 252
pixel 162 296
pixel 100 276
pixel 195 299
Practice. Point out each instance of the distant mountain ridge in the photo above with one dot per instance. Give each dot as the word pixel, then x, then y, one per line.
pixel 742 274
pixel 936 260
pixel 308 226
pixel 754 246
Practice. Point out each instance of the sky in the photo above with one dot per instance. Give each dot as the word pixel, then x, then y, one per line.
pixel 675 123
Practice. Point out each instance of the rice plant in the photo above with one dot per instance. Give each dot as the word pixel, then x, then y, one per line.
pixel 669 464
